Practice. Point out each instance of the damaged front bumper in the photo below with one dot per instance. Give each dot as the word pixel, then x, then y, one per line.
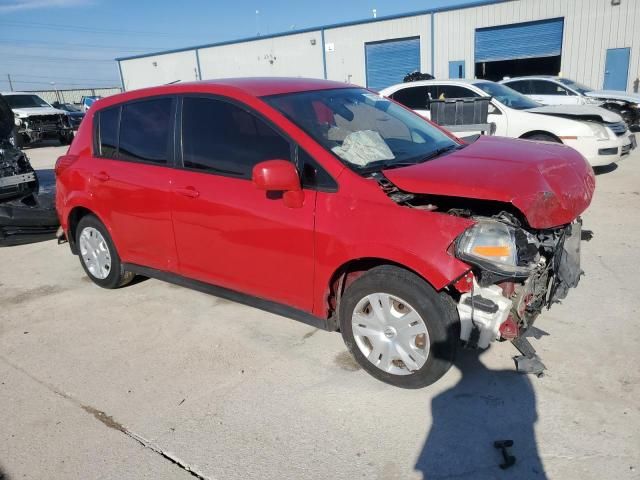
pixel 41 127
pixel 505 310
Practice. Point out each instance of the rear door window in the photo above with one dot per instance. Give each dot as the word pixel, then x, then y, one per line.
pixel 220 137
pixel 455 91
pixel 522 86
pixel 542 87
pixel 145 130
pixel 412 97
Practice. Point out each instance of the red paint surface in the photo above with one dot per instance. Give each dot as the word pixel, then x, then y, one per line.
pixel 550 184
pixel 226 231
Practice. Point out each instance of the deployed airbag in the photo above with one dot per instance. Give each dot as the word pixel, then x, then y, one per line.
pixel 363 147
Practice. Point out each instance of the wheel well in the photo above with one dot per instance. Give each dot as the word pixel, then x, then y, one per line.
pixel 540 132
pixel 74 218
pixel 346 275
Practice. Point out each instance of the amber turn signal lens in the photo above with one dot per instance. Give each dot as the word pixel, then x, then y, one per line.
pixel 492 251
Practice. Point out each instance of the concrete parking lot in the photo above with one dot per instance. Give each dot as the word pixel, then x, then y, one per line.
pixel 157 381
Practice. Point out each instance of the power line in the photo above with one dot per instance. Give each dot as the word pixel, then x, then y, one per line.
pixel 32 44
pixel 77 28
pixel 58 84
pixel 44 58
pixel 53 77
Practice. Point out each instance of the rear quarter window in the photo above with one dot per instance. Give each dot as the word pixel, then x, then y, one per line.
pixel 107 132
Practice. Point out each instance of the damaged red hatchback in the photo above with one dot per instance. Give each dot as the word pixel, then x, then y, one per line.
pixel 329 204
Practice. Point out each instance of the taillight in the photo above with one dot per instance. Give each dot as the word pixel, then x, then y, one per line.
pixel 64 162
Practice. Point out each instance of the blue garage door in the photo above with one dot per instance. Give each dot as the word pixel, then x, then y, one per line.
pixel 520 40
pixel 388 62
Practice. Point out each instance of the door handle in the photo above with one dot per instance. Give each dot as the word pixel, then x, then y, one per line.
pixel 102 176
pixel 188 192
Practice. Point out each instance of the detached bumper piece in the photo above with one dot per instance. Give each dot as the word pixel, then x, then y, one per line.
pixel 28 220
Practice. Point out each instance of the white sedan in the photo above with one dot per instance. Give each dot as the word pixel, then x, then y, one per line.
pixel 598 134
pixel 550 90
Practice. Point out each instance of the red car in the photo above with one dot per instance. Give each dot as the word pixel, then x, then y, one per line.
pixel 327 203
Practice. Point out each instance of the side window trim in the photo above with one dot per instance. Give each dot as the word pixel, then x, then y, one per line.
pixel 171 157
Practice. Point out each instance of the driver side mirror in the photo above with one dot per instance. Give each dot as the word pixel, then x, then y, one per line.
pixel 279 176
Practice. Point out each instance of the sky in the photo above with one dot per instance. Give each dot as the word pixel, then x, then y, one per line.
pixel 47 44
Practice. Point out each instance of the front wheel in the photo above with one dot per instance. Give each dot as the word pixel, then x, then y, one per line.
pixel 398 328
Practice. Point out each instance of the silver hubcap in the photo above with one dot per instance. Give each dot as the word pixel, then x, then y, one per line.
pixel 95 253
pixel 390 333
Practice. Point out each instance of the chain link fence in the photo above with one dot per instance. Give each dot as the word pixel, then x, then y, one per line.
pixel 74 95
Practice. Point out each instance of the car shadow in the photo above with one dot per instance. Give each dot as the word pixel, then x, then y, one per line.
pixel 605 169
pixel 3 476
pixel 483 407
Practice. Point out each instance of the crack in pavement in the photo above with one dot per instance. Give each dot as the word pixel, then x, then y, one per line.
pixel 109 422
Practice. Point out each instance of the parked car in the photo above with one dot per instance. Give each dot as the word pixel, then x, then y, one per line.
pixel 36 120
pixel 87 101
pixel 598 134
pixel 27 210
pixel 17 177
pixel 564 91
pixel 74 113
pixel 331 204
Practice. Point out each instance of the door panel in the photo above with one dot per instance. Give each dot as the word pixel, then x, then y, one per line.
pixel 133 197
pixel 239 237
pixel 227 231
pixel 616 70
pixel 135 200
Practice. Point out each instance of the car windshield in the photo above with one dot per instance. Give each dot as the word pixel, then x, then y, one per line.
pixel 578 87
pixel 365 131
pixel 25 101
pixel 507 96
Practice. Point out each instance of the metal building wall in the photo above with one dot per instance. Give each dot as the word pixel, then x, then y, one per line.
pixel 159 69
pixel 346 63
pixel 590 28
pixel 296 55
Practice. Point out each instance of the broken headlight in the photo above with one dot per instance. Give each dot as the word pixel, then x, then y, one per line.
pixel 498 248
pixel 599 130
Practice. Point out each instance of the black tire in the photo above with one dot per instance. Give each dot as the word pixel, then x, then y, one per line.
pixel 117 277
pixel 543 137
pixel 437 310
pixel 65 139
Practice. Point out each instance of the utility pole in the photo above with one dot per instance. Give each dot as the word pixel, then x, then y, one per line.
pixel 10 83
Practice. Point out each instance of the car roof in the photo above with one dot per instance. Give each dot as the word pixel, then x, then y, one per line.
pixel 532 77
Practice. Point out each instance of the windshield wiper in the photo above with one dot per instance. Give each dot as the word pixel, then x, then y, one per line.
pixel 441 151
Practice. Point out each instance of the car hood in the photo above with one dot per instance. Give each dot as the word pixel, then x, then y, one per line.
pixel 28 112
pixel 550 184
pixel 615 94
pixel 75 114
pixel 585 112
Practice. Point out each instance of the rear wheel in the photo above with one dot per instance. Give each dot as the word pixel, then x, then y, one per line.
pixel 98 254
pixel 398 328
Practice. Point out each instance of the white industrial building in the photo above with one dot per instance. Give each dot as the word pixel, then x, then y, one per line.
pixel 596 42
